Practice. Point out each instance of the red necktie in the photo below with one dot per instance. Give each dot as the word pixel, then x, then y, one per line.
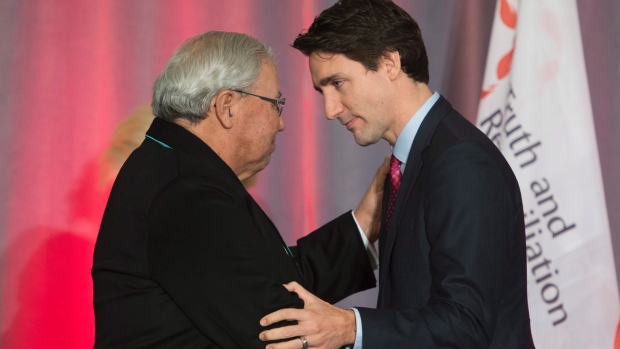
pixel 394 186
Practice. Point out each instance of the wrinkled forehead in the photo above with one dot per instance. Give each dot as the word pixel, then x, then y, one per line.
pixel 268 77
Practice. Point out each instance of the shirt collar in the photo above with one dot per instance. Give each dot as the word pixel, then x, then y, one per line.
pixel 405 139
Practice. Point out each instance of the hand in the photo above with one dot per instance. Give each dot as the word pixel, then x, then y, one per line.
pixel 368 213
pixel 323 325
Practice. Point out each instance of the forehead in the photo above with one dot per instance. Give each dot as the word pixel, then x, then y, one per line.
pixel 326 66
pixel 268 76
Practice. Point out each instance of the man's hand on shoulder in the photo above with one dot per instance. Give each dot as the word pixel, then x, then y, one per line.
pixel 368 213
pixel 322 324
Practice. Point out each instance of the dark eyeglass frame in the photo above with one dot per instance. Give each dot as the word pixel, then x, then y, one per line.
pixel 278 103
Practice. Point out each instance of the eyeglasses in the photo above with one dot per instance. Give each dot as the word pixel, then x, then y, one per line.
pixel 277 103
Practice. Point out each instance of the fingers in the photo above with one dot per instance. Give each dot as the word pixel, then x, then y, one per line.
pixel 381 174
pixel 302 293
pixel 281 333
pixel 385 166
pixel 292 344
pixel 290 314
pixel 285 332
pixel 384 169
pixel 292 286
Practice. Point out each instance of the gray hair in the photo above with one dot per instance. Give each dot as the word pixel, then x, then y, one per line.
pixel 203 66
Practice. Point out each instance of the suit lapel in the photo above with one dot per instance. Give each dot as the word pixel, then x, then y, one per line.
pixel 413 167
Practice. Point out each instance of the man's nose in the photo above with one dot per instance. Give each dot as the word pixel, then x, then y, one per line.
pixel 333 106
pixel 281 126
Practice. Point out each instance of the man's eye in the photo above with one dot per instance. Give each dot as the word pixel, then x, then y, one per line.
pixel 338 83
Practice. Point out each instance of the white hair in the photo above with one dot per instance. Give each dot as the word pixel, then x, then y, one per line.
pixel 203 66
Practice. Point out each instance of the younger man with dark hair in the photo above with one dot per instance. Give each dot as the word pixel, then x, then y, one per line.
pixel 452 243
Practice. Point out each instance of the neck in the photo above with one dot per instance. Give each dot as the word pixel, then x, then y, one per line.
pixel 220 143
pixel 409 98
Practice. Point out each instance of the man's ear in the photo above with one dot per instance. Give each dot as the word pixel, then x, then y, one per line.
pixel 391 61
pixel 221 105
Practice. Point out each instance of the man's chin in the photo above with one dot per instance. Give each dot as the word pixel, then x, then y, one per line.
pixel 265 162
pixel 363 141
pixel 259 165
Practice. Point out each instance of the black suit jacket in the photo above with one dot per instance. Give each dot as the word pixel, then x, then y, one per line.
pixel 453 264
pixel 185 258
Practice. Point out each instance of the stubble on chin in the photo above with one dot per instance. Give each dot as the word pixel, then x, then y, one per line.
pixel 364 139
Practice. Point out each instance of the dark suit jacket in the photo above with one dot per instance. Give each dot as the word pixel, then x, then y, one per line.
pixel 452 265
pixel 185 258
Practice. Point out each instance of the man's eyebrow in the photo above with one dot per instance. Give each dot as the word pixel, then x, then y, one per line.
pixel 326 81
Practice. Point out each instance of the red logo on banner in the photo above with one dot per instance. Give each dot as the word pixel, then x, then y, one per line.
pixel 508 15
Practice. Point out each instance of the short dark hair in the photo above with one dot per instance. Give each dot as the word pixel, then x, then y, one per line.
pixel 363 30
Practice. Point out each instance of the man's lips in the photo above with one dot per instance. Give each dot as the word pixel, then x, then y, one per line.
pixel 349 124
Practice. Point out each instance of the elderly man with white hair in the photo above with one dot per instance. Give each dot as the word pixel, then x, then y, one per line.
pixel 185 258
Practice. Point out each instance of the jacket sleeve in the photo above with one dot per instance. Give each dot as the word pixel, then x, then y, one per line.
pixel 334 260
pixel 208 255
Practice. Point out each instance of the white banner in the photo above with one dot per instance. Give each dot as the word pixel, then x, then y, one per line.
pixel 535 106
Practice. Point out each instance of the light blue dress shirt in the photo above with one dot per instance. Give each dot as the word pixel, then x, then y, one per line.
pixel 401 151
